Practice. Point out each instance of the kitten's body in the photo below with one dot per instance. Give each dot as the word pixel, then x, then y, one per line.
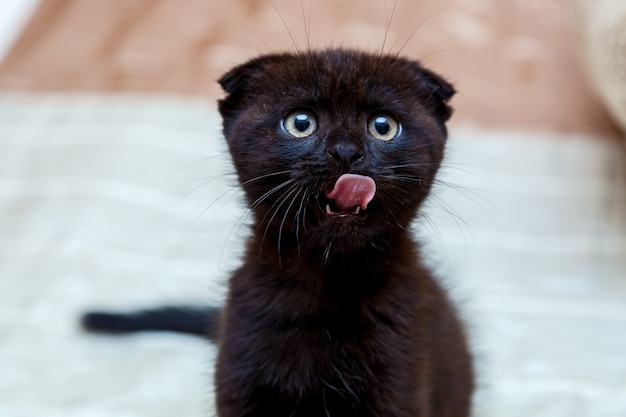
pixel 332 312
pixel 368 335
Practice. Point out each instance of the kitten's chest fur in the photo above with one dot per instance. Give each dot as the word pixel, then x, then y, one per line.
pixel 354 337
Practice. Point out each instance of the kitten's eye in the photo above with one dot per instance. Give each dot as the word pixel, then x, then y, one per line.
pixel 300 124
pixel 383 127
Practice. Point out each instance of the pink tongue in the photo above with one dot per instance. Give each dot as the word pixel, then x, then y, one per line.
pixel 352 190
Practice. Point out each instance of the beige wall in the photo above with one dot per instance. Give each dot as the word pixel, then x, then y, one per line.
pixel 515 62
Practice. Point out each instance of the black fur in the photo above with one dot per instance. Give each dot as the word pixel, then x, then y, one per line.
pixel 333 313
pixel 202 321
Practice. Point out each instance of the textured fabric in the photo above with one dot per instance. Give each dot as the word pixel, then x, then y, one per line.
pixel 127 201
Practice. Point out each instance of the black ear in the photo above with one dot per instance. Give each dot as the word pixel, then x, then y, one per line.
pixel 238 77
pixel 439 91
pixel 237 83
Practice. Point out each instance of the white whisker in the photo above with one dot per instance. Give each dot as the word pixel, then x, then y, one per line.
pixel 275 207
pixel 282 223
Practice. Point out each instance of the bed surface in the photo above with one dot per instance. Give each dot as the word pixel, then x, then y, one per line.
pixel 124 201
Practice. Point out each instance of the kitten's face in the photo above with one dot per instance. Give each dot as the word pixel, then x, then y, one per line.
pixel 334 149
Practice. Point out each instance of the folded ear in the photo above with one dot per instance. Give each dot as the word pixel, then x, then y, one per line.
pixel 238 76
pixel 238 81
pixel 439 91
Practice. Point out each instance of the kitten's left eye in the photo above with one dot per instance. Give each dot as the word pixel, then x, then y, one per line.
pixel 300 124
pixel 383 127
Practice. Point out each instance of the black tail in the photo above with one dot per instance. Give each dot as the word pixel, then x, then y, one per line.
pixel 202 321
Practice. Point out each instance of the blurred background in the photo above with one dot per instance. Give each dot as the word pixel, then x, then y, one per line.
pixel 116 190
pixel 516 63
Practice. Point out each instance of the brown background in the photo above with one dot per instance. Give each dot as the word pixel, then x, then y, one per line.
pixel 516 63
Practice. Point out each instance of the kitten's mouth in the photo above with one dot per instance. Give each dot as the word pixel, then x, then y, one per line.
pixel 333 210
pixel 350 195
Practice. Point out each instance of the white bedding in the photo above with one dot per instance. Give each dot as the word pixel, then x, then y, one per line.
pixel 124 201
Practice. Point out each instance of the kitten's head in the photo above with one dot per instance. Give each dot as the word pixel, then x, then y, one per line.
pixel 334 149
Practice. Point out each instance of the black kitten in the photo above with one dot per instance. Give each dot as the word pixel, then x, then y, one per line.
pixel 333 312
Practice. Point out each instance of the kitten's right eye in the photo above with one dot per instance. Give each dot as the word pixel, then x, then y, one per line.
pixel 300 124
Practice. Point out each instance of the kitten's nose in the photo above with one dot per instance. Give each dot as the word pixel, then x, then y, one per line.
pixel 346 153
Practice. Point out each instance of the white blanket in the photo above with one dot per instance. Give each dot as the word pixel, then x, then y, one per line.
pixel 126 201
